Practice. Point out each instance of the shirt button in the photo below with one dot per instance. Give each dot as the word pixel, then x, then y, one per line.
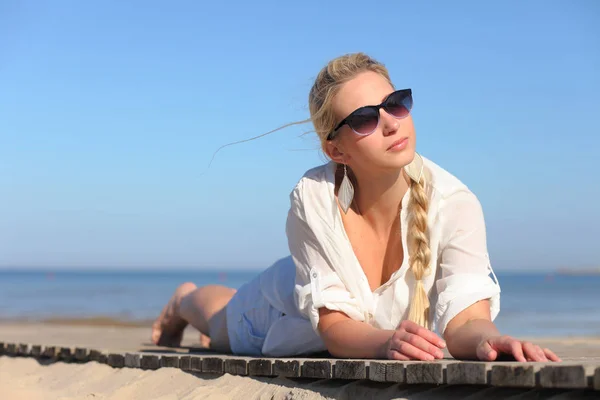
pixel 315 275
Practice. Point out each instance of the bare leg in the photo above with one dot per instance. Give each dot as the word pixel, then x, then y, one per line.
pixel 203 308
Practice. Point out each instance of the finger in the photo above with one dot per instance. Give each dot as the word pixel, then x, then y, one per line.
pixel 506 344
pixel 541 353
pixel 531 352
pixel 551 356
pixel 422 344
pixel 396 355
pixel 411 327
pixel 411 351
pixel 485 352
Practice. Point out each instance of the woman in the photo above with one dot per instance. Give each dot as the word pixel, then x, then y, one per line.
pixel 385 245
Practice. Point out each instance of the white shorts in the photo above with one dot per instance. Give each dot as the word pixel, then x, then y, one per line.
pixel 249 318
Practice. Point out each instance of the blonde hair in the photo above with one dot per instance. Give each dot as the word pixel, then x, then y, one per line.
pixel 328 82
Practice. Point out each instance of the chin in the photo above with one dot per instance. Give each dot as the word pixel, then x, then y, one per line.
pixel 400 159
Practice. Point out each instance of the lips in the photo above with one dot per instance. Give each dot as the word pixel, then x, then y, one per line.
pixel 398 142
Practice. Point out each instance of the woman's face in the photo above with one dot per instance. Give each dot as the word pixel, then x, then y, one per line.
pixel 392 143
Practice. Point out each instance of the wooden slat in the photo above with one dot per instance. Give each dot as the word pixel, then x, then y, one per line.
pixel 196 364
pixel 260 367
pixel 512 376
pixel 116 360
pixel 81 354
pixel 235 366
pixel 185 363
pixel 35 351
pixel 11 349
pixel 169 362
pixel 23 349
pixel 65 354
pixel 466 373
pixel 150 362
pixel 50 352
pixel 563 376
pixel 212 365
pixel 344 369
pixel 320 369
pixel 427 373
pixel 287 368
pixel 98 356
pixel 133 360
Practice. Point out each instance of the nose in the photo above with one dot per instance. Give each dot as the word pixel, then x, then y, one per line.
pixel 389 124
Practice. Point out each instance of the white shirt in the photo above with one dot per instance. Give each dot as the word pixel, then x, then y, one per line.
pixel 328 273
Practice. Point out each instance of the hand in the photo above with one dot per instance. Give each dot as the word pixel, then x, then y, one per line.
pixel 413 342
pixel 491 348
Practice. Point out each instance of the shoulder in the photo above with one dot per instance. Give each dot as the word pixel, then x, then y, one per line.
pixel 314 185
pixel 443 183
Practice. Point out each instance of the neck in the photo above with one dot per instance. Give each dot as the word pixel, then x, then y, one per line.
pixel 379 200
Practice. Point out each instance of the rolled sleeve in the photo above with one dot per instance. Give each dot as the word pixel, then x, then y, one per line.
pixel 317 284
pixel 465 266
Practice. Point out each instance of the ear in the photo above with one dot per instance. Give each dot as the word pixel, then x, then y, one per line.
pixel 335 152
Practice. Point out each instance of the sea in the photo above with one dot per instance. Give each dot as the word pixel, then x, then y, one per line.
pixel 531 304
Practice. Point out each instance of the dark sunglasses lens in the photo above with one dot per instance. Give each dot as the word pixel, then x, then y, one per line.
pixel 399 104
pixel 364 121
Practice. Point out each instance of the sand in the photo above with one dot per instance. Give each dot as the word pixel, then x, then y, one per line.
pixel 27 378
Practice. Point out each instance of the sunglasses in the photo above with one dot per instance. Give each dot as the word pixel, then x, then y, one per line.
pixel 364 120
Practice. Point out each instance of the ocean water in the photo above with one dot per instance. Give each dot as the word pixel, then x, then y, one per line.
pixel 538 305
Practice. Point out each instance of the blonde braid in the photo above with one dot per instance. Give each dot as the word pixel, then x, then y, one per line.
pixel 419 252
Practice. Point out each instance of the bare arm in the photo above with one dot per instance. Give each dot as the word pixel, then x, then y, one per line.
pixel 472 335
pixel 347 338
pixel 471 326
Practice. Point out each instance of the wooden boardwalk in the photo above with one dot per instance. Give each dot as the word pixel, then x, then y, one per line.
pixel 572 373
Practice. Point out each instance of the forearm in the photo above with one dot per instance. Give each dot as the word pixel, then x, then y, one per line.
pixel 354 339
pixel 463 340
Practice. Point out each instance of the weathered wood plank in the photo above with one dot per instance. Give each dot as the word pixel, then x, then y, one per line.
pixel 150 362
pixel 319 369
pixel 98 356
pixel 11 349
pixel 36 351
pixel 425 372
pixel 50 352
pixel 81 354
pixel 169 362
pixel 133 360
pixel 466 373
pixel 345 369
pixel 23 350
pixel 212 365
pixel 563 376
pixel 116 360
pixel 235 366
pixel 260 367
pixel 377 371
pixel 512 376
pixel 395 372
pixel 185 363
pixel 196 364
pixel 65 354
pixel 287 368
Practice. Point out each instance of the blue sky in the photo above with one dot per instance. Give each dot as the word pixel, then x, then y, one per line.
pixel 110 112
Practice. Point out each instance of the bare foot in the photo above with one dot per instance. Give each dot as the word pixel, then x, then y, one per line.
pixel 204 341
pixel 168 328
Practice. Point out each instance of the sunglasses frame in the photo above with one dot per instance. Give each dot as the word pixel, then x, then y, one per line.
pixel 407 92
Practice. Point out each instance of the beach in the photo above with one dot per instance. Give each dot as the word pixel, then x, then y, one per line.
pixel 30 378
